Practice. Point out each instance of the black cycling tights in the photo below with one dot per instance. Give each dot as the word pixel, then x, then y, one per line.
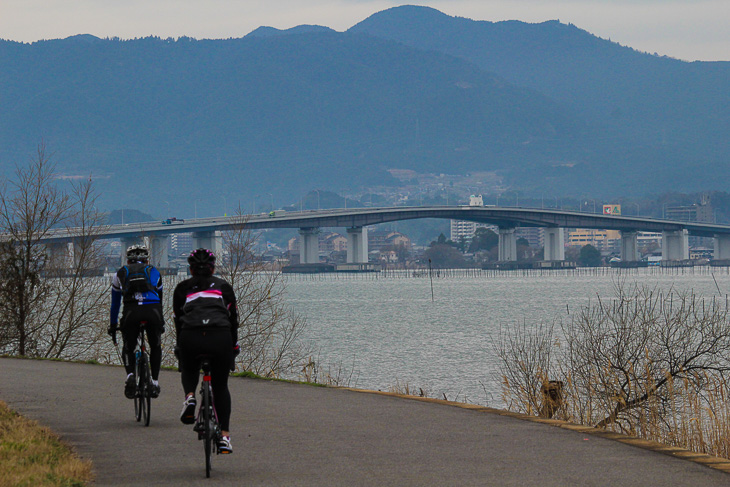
pixel 131 318
pixel 218 343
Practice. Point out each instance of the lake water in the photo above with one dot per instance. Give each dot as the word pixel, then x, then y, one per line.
pixel 389 331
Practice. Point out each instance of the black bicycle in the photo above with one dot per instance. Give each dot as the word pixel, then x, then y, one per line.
pixel 143 377
pixel 206 424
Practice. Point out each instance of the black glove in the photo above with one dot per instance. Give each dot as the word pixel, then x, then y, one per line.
pixel 176 351
pixel 112 331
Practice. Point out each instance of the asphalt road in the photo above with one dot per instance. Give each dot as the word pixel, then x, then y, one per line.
pixel 296 435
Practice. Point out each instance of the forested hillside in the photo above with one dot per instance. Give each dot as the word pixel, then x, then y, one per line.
pixel 187 122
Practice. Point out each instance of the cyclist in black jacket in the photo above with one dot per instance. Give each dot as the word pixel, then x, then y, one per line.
pixel 206 321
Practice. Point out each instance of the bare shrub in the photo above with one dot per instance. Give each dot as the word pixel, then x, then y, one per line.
pixel 526 355
pixel 45 309
pixel 627 351
pixel 76 305
pixel 646 363
pixel 30 206
pixel 270 333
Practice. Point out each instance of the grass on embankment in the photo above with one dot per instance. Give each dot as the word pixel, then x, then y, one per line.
pixel 31 455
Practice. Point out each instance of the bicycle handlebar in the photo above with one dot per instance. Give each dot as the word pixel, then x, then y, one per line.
pixel 112 330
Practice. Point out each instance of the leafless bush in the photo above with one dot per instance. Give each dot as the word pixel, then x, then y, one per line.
pixel 623 353
pixel 77 302
pixel 646 363
pixel 45 308
pixel 526 359
pixel 270 333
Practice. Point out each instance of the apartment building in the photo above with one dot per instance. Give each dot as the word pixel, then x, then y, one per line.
pixel 604 240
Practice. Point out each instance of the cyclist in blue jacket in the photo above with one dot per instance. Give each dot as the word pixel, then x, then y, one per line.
pixel 138 285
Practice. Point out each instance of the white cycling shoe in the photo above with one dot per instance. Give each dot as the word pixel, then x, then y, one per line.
pixel 224 445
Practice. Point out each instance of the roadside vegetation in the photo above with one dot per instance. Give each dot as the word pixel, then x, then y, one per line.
pixel 50 301
pixel 31 455
pixel 644 363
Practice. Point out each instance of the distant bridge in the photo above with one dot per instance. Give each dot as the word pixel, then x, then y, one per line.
pixel 207 231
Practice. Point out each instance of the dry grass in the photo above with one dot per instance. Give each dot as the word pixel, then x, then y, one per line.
pixel 337 375
pixel 31 455
pixel 699 419
pixel 407 390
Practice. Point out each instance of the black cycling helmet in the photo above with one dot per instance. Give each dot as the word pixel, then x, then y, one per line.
pixel 202 261
pixel 138 253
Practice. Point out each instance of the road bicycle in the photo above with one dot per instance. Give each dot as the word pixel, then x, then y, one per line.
pixel 142 375
pixel 206 424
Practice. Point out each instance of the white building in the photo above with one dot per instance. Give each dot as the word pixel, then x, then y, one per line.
pixel 466 230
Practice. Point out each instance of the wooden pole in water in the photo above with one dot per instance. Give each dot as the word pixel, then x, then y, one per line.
pixel 718 287
pixel 430 277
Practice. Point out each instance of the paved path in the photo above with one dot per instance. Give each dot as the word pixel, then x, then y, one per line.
pixel 296 435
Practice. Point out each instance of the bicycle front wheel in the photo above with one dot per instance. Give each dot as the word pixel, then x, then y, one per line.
pixel 145 396
pixel 137 408
pixel 138 399
pixel 207 431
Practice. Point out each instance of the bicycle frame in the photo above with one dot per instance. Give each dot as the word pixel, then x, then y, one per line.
pixel 141 342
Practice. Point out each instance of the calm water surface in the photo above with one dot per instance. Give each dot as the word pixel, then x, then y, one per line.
pixel 389 331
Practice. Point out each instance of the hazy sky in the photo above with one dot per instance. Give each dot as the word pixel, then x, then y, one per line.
pixel 690 30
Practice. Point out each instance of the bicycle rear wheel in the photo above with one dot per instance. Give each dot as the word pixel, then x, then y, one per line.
pixel 207 431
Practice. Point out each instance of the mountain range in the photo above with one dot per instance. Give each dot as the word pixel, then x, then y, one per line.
pixel 207 124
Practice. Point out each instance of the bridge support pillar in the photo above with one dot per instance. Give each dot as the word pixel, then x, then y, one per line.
pixel 722 247
pixel 629 246
pixel 309 245
pixel 554 244
pixel 507 244
pixel 357 245
pixel 78 248
pixel 128 242
pixel 212 241
pixel 58 255
pixel 675 245
pixel 158 251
